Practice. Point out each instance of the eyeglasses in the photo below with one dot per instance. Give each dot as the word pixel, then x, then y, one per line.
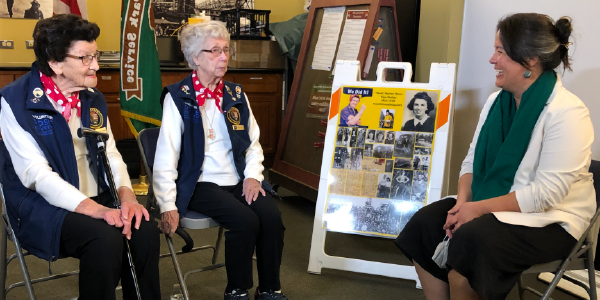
pixel 86 59
pixel 217 51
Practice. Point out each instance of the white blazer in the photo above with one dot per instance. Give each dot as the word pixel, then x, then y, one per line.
pixel 552 183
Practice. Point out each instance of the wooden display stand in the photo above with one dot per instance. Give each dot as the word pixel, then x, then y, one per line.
pixel 300 150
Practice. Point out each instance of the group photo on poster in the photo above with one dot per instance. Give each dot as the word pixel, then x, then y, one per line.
pixel 26 9
pixel 376 157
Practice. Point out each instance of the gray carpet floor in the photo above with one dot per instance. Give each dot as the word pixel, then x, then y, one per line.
pixel 298 214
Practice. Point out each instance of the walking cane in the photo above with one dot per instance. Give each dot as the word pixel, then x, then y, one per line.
pixel 101 137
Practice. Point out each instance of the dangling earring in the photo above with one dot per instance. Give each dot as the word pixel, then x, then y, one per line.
pixel 527 74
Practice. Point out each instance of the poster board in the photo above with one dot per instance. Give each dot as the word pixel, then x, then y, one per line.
pixel 303 130
pixel 347 207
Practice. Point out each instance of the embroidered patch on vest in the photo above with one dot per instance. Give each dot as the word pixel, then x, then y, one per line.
pixel 96 118
pixel 38 93
pixel 191 112
pixel 44 124
pixel 233 115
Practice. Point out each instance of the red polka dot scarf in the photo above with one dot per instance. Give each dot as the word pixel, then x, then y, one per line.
pixel 65 103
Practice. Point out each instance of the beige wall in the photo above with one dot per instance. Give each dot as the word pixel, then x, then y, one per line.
pixel 281 10
pixel 106 13
pixel 439 41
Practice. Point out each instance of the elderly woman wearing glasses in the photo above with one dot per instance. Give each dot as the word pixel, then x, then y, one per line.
pixel 208 160
pixel 57 200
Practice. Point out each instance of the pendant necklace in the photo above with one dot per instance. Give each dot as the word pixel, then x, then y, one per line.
pixel 211 132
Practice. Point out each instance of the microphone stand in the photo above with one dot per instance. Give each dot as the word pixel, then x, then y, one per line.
pixel 101 137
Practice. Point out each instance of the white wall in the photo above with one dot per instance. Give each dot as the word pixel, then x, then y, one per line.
pixel 476 76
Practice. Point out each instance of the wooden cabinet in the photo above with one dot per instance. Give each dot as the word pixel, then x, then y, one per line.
pixel 264 89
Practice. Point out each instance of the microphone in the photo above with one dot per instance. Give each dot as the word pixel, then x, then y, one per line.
pixel 88 132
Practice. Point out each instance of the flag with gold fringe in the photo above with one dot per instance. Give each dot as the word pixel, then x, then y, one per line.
pixel 140 69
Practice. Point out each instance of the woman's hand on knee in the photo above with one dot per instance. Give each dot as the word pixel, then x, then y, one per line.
pixel 462 214
pixel 251 189
pixel 169 220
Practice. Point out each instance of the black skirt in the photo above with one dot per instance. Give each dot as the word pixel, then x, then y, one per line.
pixel 490 254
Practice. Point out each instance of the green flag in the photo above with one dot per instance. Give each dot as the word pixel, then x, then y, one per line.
pixel 140 70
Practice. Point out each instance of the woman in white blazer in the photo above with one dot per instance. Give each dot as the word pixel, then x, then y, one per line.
pixel 525 194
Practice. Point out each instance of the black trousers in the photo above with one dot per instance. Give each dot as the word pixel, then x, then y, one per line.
pixel 490 254
pixel 102 255
pixel 258 225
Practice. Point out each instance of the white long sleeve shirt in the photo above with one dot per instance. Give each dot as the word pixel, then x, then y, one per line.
pixel 35 173
pixel 218 166
pixel 552 183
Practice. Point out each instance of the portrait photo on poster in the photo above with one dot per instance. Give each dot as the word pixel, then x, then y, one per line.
pixel 401 184
pixel 384 185
pixel 420 111
pixel 419 186
pixel 371 135
pixel 386 118
pixel 26 9
pixel 389 137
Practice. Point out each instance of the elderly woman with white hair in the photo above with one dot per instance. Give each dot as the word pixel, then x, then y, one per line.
pixel 208 160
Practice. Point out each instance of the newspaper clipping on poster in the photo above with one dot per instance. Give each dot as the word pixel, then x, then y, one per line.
pixel 381 160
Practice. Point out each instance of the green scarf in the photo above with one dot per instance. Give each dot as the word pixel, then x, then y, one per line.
pixel 504 138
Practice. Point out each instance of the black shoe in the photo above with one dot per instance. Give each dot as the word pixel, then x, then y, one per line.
pixel 269 295
pixel 237 294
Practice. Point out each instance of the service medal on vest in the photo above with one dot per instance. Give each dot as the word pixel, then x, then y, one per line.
pixel 229 91
pixel 238 91
pixel 96 118
pixel 233 115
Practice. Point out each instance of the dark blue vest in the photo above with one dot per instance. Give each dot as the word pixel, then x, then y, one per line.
pixel 192 142
pixel 36 222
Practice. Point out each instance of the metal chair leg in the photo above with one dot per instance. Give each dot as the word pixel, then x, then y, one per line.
pixel 591 273
pixel 217 245
pixel 180 277
pixel 26 277
pixel 520 287
pixel 3 263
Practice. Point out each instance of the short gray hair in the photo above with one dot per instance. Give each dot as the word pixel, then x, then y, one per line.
pixel 192 38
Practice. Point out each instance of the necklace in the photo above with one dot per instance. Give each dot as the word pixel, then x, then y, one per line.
pixel 211 132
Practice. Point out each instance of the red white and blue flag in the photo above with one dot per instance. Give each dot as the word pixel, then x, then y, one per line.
pixel 78 7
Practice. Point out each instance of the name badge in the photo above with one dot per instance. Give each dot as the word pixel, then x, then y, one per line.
pixel 238 127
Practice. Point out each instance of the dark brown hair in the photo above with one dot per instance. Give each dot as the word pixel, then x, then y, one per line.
pixel 526 36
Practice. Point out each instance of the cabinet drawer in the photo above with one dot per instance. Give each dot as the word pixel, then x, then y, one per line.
pixel 257 83
pixel 108 82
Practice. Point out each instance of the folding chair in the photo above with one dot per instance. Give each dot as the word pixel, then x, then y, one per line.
pixel 9 234
pixel 147 140
pixel 581 257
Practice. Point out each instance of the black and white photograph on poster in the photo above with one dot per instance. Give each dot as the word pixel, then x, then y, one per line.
pixel 425 162
pixel 356 158
pixel 341 158
pixel 408 210
pixel 368 150
pixel 416 162
pixel 422 151
pixel 371 135
pixel 26 9
pixel 402 163
pixel 386 118
pixel 347 135
pixel 419 187
pixel 360 142
pixel 373 165
pixel 384 185
pixel 389 137
pixel 389 165
pixel 420 110
pixel 404 145
pixel 424 140
pixel 353 137
pixel 401 184
pixel 339 137
pixel 380 136
pixel 366 216
pixel 383 151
